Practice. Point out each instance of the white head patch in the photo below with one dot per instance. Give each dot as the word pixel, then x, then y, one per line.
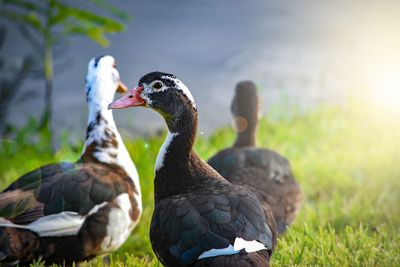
pixel 181 86
pixel 146 91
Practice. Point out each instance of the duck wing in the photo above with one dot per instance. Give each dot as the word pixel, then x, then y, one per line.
pixel 208 218
pixel 56 198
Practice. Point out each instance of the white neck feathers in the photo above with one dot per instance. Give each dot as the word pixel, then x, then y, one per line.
pixel 164 149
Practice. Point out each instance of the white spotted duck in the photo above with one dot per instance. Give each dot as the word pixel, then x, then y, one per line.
pixel 200 218
pixel 70 212
pixel 263 171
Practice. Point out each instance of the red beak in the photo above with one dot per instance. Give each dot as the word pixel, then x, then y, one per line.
pixel 131 99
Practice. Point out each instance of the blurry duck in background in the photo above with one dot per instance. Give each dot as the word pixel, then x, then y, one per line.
pixel 70 212
pixel 261 170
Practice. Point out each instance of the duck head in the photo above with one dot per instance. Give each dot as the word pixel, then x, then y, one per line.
pixel 102 80
pixel 167 95
pixel 160 91
pixel 244 106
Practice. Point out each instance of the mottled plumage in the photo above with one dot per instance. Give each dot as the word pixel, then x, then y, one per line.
pixel 57 188
pixel 263 171
pixel 70 212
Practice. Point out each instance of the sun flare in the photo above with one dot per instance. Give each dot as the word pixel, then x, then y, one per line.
pixel 385 90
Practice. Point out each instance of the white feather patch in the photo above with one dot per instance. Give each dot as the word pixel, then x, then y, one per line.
pixel 146 91
pixel 218 252
pixel 7 223
pixel 248 246
pixel 163 150
pixel 96 208
pixel 182 87
pixel 240 243
pixel 62 224
pixel 66 223
pixel 119 225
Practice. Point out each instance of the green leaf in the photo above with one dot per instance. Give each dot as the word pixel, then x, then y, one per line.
pixel 94 33
pixel 107 24
pixel 74 30
pixel 60 17
pixel 111 8
pixel 97 35
pixel 34 20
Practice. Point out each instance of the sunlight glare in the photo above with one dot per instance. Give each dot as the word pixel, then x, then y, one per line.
pixel 386 90
pixel 391 88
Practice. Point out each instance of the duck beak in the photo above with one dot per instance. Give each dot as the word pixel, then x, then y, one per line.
pixel 122 88
pixel 131 99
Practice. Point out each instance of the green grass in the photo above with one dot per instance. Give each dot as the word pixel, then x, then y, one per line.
pixel 347 162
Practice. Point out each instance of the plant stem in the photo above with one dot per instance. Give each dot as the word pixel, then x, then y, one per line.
pixel 48 75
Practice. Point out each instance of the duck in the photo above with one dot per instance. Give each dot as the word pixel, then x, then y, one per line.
pixel 265 172
pixel 200 218
pixel 69 212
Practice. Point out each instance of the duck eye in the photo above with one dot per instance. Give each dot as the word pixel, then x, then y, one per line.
pixel 158 85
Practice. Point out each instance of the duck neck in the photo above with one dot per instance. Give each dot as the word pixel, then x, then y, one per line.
pixel 246 137
pixel 174 165
pixel 104 143
pixel 102 138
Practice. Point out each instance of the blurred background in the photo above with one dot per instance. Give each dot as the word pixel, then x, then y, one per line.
pixel 301 54
pixel 328 74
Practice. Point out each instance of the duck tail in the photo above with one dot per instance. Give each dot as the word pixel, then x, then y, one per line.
pixel 281 226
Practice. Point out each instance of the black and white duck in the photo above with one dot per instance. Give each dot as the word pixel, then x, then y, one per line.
pixel 200 219
pixel 71 212
pixel 261 170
